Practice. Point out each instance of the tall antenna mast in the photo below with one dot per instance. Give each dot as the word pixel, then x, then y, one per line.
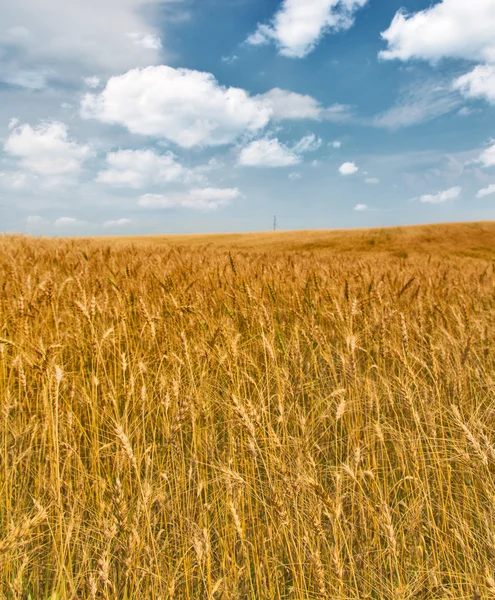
pixel 275 223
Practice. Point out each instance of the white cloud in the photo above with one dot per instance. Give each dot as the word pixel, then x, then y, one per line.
pixel 361 207
pixel 116 223
pixel 449 194
pixel 149 41
pixel 30 79
pixel 272 153
pixel 309 143
pixel 268 153
pixel 187 107
pixel 290 105
pixel 335 144
pixel 419 103
pixel 199 199
pixel 460 29
pixel 372 180
pixel 298 25
pixel 141 168
pixel 464 111
pixel 13 123
pixel 348 168
pixel 487 157
pixel 478 83
pixel 488 191
pixel 46 150
pixel 90 36
pixel 67 221
pixel 294 176
pixel 18 180
pixel 286 105
pixel 34 220
pixel 92 82
pixel 230 59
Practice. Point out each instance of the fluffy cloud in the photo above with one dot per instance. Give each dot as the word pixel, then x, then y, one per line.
pixel 449 29
pixel 141 168
pixel 449 194
pixel 46 150
pixel 335 144
pixel 348 168
pixel 478 83
pixel 187 107
pixel 116 223
pixel 89 37
pixel 361 207
pixel 487 157
pixel 298 25
pixel 268 153
pixel 199 199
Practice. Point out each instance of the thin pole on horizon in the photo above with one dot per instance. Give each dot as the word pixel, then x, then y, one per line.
pixel 275 223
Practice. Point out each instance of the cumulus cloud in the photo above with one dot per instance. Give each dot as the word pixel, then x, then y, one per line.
pixel 488 191
pixel 267 153
pixel 487 157
pixel 348 168
pixel 294 176
pixel 298 26
pixel 335 144
pixel 198 199
pixel 449 194
pixel 372 180
pixel 361 207
pixel 449 29
pixel 184 106
pixel 141 168
pixel 46 150
pixel 478 83
pixel 116 223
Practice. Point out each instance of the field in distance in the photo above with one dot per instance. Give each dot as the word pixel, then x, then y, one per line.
pixel 287 416
pixel 462 239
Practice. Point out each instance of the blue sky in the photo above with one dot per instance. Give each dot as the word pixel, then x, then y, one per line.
pixel 171 116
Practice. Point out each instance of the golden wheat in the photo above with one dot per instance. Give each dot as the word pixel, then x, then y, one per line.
pixel 190 422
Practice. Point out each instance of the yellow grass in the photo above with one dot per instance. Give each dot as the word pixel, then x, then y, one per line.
pixel 249 420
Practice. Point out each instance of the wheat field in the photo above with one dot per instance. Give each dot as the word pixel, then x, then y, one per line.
pixel 272 420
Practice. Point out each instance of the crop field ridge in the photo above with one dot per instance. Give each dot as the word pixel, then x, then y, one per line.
pixel 288 418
